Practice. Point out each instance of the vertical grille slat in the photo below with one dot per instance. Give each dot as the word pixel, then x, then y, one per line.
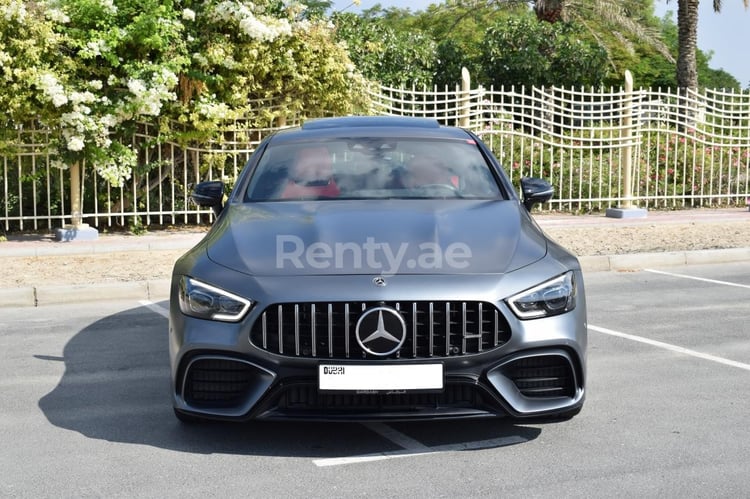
pixel 264 323
pixel 346 330
pixel 328 329
pixel 414 328
pixel 280 312
pixel 480 324
pixel 447 328
pixel 463 328
pixel 313 339
pixel 296 328
pixel 432 329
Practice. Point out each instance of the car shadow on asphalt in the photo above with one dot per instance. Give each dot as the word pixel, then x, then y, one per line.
pixel 116 388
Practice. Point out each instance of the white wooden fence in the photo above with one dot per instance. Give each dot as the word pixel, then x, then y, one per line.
pixel 684 150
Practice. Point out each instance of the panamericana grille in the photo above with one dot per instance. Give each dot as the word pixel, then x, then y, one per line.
pixel 543 376
pixel 327 330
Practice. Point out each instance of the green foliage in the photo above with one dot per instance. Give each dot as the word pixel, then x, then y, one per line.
pixel 136 226
pixel 522 51
pixel 28 45
pixel 93 69
pixel 385 54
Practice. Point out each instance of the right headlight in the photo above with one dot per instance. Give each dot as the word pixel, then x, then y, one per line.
pixel 553 297
pixel 201 300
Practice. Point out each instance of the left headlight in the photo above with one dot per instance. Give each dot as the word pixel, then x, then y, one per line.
pixel 201 300
pixel 553 297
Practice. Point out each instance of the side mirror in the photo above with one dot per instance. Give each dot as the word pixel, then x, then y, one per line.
pixel 209 195
pixel 535 191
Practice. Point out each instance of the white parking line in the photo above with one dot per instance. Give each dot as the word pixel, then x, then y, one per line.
pixel 163 311
pixel 480 444
pixel 673 348
pixel 712 281
pixel 397 437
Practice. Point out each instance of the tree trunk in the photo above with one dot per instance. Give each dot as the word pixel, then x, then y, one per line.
pixel 687 22
pixel 550 11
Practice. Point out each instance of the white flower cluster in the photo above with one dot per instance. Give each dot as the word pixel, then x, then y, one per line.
pixel 89 119
pixel 56 15
pixel 147 98
pixel 117 170
pixel 14 10
pixel 212 110
pixel 256 26
pixel 188 15
pixel 108 6
pixel 94 48
pixel 52 89
pixel 79 125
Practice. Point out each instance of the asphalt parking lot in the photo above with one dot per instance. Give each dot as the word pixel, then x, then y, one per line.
pixel 84 412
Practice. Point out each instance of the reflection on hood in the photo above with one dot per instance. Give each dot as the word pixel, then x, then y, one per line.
pixel 375 237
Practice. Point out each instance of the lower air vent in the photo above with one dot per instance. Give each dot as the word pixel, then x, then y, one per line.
pixel 542 376
pixel 300 399
pixel 217 382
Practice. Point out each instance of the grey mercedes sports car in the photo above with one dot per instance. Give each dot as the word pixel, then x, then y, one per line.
pixel 376 268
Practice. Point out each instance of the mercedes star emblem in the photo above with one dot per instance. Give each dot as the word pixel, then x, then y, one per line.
pixel 381 331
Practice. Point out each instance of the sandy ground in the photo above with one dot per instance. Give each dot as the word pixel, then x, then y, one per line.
pixel 582 240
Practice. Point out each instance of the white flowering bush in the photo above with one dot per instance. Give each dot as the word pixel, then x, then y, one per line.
pixel 29 48
pixel 94 71
pixel 243 52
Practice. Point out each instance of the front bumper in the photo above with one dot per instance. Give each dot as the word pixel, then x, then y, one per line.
pixel 540 371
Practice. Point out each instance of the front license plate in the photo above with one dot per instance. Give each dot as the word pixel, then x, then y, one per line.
pixel 347 377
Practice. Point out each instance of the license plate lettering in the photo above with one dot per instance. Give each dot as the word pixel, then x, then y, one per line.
pixel 333 370
pixel 361 378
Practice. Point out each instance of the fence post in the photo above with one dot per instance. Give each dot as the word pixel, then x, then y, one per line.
pixel 76 230
pixel 464 113
pixel 626 208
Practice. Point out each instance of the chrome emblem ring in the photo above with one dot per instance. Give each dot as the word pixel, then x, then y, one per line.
pixel 381 331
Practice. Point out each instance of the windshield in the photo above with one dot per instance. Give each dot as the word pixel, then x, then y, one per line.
pixel 373 168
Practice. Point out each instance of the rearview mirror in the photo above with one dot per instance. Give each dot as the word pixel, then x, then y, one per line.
pixel 535 191
pixel 209 195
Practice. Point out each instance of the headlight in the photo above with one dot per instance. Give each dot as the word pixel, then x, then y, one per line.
pixel 198 299
pixel 553 297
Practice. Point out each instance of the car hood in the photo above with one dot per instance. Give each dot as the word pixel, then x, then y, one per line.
pixel 375 237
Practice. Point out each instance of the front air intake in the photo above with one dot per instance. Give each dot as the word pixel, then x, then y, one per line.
pixel 217 382
pixel 542 376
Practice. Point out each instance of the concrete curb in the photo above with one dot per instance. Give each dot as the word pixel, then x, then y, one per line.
pixel 638 261
pixel 100 247
pixel 38 296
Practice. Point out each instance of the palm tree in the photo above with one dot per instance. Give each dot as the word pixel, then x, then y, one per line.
pixel 687 41
pixel 607 10
pixel 550 11
pixel 611 11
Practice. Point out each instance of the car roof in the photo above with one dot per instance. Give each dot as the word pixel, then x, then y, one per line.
pixel 376 121
pixel 370 126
